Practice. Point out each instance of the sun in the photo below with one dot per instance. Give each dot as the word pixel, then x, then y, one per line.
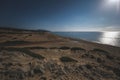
pixel 114 3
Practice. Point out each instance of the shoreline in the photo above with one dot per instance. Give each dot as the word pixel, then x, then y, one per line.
pixel 93 42
pixel 106 47
pixel 53 39
pixel 47 56
pixel 85 36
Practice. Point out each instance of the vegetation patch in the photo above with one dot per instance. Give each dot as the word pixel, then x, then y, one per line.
pixel 88 66
pixel 35 47
pixel 67 59
pixel 110 57
pixel 30 35
pixel 99 60
pixel 53 48
pixel 38 70
pixel 11 43
pixel 26 52
pixel 102 51
pixel 116 71
pixel 77 48
pixel 64 48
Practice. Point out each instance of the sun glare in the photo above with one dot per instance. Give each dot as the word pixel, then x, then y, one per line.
pixel 109 38
pixel 115 3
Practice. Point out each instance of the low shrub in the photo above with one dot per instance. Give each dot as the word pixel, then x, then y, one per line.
pixel 102 51
pixel 67 59
pixel 77 48
pixel 10 43
pixel 116 71
pixel 36 48
pixel 53 48
pixel 88 66
pixel 64 48
pixel 26 52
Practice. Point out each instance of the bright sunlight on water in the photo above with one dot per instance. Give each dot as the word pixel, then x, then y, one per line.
pixel 110 38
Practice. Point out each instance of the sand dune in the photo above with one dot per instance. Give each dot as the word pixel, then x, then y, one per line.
pixel 41 55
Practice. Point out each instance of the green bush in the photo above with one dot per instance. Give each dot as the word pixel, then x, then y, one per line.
pixel 10 43
pixel 77 48
pixel 64 48
pixel 35 47
pixel 88 66
pixel 67 59
pixel 26 52
pixel 100 50
pixel 53 48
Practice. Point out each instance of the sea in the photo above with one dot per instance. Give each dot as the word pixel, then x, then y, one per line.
pixel 109 38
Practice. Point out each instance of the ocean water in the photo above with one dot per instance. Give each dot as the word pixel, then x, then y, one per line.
pixel 110 38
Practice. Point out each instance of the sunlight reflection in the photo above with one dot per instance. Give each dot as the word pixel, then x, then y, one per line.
pixel 110 38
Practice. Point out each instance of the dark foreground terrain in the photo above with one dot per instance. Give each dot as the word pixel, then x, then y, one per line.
pixel 40 55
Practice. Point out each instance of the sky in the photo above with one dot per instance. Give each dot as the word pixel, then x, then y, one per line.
pixel 61 15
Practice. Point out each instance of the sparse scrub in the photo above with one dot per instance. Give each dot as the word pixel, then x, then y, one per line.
pixel 99 60
pixel 102 51
pixel 26 52
pixel 76 48
pixel 67 59
pixel 38 70
pixel 53 48
pixel 16 42
pixel 35 47
pixel 10 43
pixel 116 71
pixel 30 35
pixel 64 48
pixel 14 38
pixel 43 78
pixel 88 66
pixel 85 55
pixel 109 57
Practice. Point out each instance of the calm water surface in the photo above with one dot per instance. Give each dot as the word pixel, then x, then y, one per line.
pixel 111 38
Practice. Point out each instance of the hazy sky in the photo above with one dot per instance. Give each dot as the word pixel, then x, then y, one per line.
pixel 60 15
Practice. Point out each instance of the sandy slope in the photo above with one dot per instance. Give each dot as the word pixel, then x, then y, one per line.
pixel 32 55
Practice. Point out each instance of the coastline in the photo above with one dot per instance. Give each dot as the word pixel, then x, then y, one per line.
pixel 37 55
pixel 109 48
pixel 110 38
pixel 88 45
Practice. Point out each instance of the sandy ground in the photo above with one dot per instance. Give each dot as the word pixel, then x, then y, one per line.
pixel 31 55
